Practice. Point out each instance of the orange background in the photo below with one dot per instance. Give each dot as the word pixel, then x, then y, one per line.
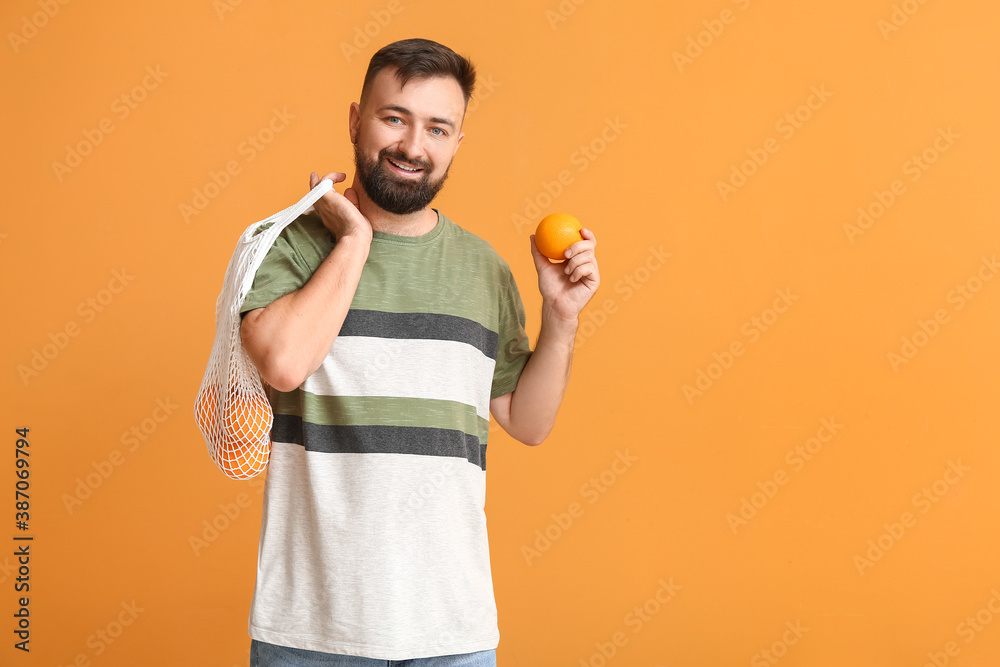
pixel 555 81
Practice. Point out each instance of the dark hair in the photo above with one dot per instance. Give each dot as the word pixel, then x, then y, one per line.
pixel 421 58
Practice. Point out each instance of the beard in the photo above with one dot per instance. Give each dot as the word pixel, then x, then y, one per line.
pixel 393 193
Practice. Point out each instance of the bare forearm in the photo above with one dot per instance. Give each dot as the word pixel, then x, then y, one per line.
pixel 289 339
pixel 543 382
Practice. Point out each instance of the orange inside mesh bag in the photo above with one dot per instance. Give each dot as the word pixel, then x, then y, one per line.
pixel 245 424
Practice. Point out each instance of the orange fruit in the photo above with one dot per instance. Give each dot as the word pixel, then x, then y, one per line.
pixel 555 233
pixel 204 410
pixel 246 437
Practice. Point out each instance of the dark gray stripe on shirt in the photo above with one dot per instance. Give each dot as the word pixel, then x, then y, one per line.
pixel 432 326
pixel 378 439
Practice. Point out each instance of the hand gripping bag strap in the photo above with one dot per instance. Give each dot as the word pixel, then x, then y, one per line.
pixel 236 423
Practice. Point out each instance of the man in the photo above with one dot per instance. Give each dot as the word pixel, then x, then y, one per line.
pixel 387 335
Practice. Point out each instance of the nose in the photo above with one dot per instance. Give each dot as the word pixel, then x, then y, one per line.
pixel 411 145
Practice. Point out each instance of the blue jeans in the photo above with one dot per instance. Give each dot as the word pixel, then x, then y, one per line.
pixel 263 654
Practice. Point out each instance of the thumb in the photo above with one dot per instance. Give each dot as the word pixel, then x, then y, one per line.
pixel 352 196
pixel 536 254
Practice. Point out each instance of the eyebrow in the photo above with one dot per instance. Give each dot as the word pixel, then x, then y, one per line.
pixel 407 112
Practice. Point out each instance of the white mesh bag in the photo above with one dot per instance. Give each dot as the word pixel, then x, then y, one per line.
pixel 237 422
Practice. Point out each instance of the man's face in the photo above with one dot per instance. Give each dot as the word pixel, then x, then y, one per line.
pixel 405 139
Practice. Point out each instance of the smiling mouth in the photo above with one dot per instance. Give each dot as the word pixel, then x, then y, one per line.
pixel 403 169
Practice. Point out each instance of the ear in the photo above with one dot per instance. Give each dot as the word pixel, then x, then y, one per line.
pixel 461 135
pixel 353 121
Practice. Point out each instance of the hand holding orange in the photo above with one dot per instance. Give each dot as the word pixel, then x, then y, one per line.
pixel 556 233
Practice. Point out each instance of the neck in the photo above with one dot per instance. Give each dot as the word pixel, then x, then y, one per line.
pixel 417 223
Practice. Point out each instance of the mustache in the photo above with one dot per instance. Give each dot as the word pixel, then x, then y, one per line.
pixel 402 158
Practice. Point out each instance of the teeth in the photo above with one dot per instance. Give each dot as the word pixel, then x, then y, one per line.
pixel 402 167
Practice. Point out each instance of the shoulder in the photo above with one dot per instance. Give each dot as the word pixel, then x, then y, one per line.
pixel 305 239
pixel 307 227
pixel 307 224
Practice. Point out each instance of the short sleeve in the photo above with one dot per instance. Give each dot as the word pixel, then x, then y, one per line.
pixel 283 271
pixel 513 349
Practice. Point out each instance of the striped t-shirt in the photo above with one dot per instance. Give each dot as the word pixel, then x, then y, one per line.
pixel 373 540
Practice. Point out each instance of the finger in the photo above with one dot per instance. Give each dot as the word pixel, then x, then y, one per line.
pixel 536 254
pixel 572 264
pixel 592 276
pixel 581 271
pixel 335 176
pixel 579 247
pixel 313 180
pixel 578 261
pixel 588 234
pixel 352 196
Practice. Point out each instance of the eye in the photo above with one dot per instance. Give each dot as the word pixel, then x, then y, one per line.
pixel 392 118
pixel 439 131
